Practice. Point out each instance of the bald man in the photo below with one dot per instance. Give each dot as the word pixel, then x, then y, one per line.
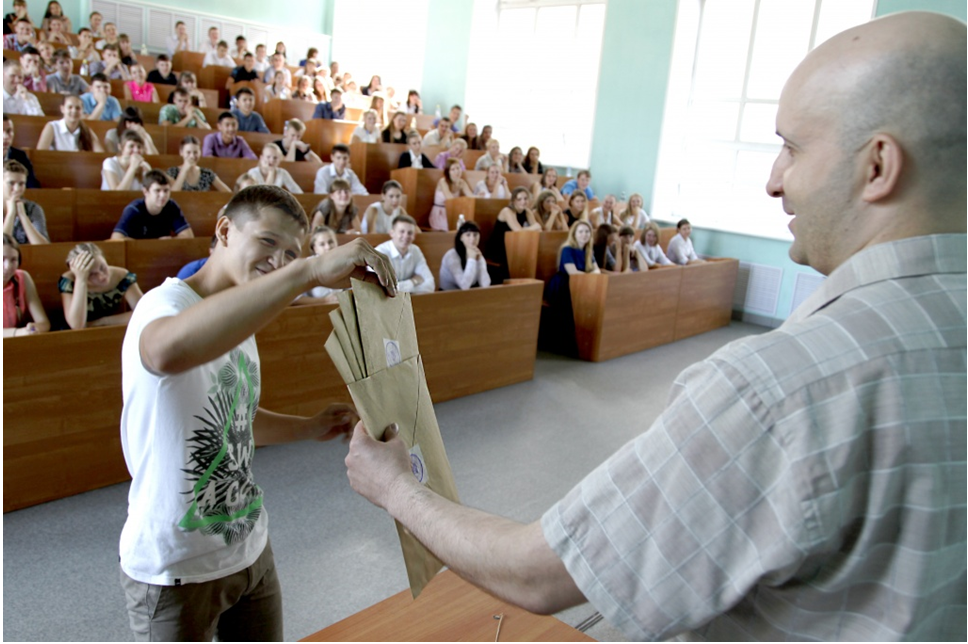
pixel 807 483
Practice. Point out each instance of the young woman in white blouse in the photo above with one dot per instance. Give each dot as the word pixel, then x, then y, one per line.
pixel 268 171
pixel 369 132
pixel 304 90
pixel 126 170
pixel 69 134
pixel 378 218
pixel 493 186
pixel 650 251
pixel 634 215
pixel 464 266
pixel 278 89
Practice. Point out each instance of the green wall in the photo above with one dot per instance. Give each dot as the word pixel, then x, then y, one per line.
pixel 955 8
pixel 446 52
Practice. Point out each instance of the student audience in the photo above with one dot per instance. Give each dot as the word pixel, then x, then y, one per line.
pixel 19 13
pixel 532 163
pixel 409 264
pixel 244 72
pixel 98 103
pixel 181 112
pixel 126 170
pixel 442 135
pixel 190 176
pixel 492 157
pixel 55 33
pixel 463 266
pixel 138 88
pixel 453 119
pixel 11 153
pixel 56 12
pixel 516 161
pixel 606 237
pixel 368 132
pixel 162 74
pixel 278 66
pixel 304 90
pixel 606 213
pixel 111 65
pixel 651 251
pixel 93 293
pixel 22 219
pixel 414 157
pixel 337 210
pixel 23 312
pixel 155 216
pixel 629 257
pixel 16 98
pixel 95 20
pixel 414 105
pixel 70 133
pixel 35 78
pixel 548 181
pixel 396 131
pixel 268 171
pixel 291 144
pixel 109 36
pixel 456 151
pixel 634 215
pixel 514 217
pixel 64 81
pixel 334 109
pixel 130 120
pixel 248 119
pixel 451 185
pixel 278 88
pixel 493 185
pixel 379 216
pixel 577 208
pixel 580 183
pixel 85 50
pixel 338 169
pixel 322 240
pixel 188 82
pixel 23 36
pixel 178 41
pixel 220 57
pixel 680 250
pixel 548 213
pixel 226 143
pixel 262 62
pixel 210 45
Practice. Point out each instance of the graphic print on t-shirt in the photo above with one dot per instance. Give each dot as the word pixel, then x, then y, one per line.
pixel 225 499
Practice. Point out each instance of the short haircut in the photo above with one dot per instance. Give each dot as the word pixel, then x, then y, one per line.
pixel 11 62
pixel 336 90
pixel 124 38
pixel 30 49
pixel 180 22
pixel 681 223
pixel 212 28
pixel 245 91
pixel 248 54
pixel 295 124
pixel 82 30
pixel 14 166
pixel 239 37
pixel 403 219
pixel 181 91
pixel 99 77
pixel 414 135
pixel 226 115
pixel 445 118
pixel 131 135
pixel 25 21
pixel 341 147
pixel 22 3
pixel 249 203
pixel 271 146
pixel 161 57
pixel 93 13
pixel 259 45
pixel 340 184
pixel 111 47
pixel 222 43
pixel 61 53
pixel 584 173
pixel 456 107
pixel 626 231
pixel 152 177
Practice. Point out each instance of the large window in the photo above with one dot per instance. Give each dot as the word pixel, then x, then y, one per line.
pixel 719 133
pixel 533 74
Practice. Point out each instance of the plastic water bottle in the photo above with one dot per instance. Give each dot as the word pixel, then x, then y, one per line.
pixel 85 68
pixel 144 49
pixel 460 220
pixel 437 111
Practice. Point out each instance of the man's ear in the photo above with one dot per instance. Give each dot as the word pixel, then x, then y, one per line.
pixel 884 161
pixel 222 227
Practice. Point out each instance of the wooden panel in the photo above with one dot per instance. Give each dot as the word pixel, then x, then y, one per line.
pixel 706 296
pixel 215 77
pixel 448 610
pixel 153 260
pixel 47 262
pixel 616 315
pixel 666 233
pixel 549 246
pixel 323 134
pixel 97 212
pixel 61 413
pixel 58 208
pixel 27 129
pixel 522 249
pixel 277 111
pixel 68 169
pixel 257 87
pixel 434 246
pixel 50 103
pixel 373 162
pixel 188 61
pixel 419 186
pixel 483 212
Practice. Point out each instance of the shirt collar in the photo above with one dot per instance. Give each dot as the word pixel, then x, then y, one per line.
pixel 911 257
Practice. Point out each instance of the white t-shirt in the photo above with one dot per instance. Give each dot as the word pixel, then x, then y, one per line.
pixel 194 511
pixel 367 137
pixel 112 164
pixel 680 251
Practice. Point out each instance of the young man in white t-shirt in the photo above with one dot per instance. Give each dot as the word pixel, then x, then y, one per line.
pixel 409 263
pixel 680 250
pixel 195 555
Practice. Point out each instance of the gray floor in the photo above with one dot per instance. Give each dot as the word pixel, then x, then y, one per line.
pixel 514 451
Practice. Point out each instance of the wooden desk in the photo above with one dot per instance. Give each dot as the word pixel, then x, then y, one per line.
pixel 321 134
pixel 449 610
pixel 706 296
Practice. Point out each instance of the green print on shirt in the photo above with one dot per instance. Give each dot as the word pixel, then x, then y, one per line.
pixel 225 499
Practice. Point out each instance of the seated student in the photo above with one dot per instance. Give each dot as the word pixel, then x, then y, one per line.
pixel 55 33
pixel 634 215
pixel 85 51
pixel 414 104
pixel 493 185
pixel 24 36
pixel 249 120
pixel 574 257
pixel 532 163
pixel 128 59
pixel 126 171
pixel 130 120
pixel 226 143
pixel 413 274
pixel 162 74
pixel 190 176
pixel 455 151
pixel 368 132
pixel 337 210
pixel 451 185
pixel 304 90
pixel 493 157
pixel 580 183
pixel 93 292
pixel 22 219
pixel 334 109
pixel 513 217
pixel 65 81
pixel 47 58
pixel 244 72
pixel 35 78
pixel 442 135
pixel 338 169
pixel 210 45
pixel 220 57
pixel 278 89
pixel 178 41
pixel 261 59
pixel 95 20
pixel 679 249
pixel 277 66
pixel 19 12
pixel 470 135
pixel 577 208
pixel 111 65
pixel 548 181
pixel 379 217
pixel 189 82
pixel 629 258
pixel 269 173
pixel 241 47
pixel 69 134
pixel 194 266
pixel 16 98
pixel 606 213
pixel 98 103
pixel 651 251
pixel 323 87
pixel 547 211
pixel 56 12
pixel 322 240
pixel 181 112
pixel 396 131
pixel 516 161
pixel 414 157
pixel 464 266
pixel 606 238
pixel 155 216
pixel 292 146
pixel 375 85
pixel 11 153
pixel 23 312
pixel 453 119
pixel 138 88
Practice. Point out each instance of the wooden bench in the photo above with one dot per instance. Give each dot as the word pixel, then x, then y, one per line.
pixel 323 134
pixel 189 61
pixel 59 441
pixel 47 262
pixel 373 162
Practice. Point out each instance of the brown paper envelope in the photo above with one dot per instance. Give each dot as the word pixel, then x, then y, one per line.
pixel 335 351
pixel 339 327
pixel 347 306
pixel 399 394
pixel 386 327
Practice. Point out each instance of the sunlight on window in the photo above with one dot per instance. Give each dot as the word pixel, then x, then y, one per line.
pixel 782 40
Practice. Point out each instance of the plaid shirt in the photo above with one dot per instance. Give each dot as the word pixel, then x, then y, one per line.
pixel 807 483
